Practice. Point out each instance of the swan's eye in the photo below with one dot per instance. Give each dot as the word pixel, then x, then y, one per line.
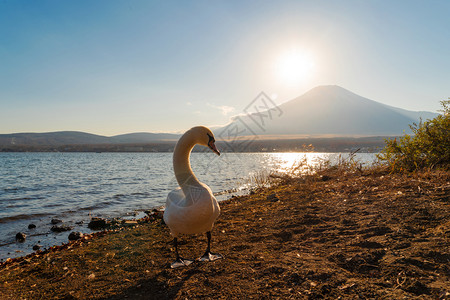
pixel 211 139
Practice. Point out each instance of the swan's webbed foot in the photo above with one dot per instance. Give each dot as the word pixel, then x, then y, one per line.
pixel 181 262
pixel 209 256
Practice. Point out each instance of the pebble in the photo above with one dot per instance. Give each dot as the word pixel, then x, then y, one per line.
pixel 61 228
pixel 31 226
pixel 97 223
pixel 75 235
pixel 20 237
pixel 56 221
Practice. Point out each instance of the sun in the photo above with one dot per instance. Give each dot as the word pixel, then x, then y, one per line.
pixel 294 67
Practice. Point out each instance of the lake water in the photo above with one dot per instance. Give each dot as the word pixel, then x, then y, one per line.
pixel 73 187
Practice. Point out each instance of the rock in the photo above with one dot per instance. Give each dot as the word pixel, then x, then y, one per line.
pixel 80 223
pixel 20 237
pixel 273 197
pixel 31 226
pixel 98 223
pixel 56 221
pixel 36 247
pixel 75 235
pixel 61 228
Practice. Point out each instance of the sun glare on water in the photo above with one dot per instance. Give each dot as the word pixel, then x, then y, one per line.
pixel 294 67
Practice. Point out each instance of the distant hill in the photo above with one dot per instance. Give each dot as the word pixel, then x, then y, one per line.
pixel 52 138
pixel 81 138
pixel 325 111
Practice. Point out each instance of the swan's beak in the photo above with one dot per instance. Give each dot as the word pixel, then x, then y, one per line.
pixel 213 147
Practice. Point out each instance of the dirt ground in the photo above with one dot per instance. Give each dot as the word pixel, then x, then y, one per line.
pixel 336 236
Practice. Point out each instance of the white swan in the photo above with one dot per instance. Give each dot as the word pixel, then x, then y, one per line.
pixel 192 208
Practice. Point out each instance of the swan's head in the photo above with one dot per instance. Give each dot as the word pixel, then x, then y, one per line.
pixel 205 137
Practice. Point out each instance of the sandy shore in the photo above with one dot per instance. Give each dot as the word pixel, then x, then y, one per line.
pixel 343 235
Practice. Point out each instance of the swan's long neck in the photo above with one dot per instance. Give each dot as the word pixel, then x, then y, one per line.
pixel 181 164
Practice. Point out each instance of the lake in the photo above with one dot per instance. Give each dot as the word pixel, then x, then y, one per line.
pixel 73 187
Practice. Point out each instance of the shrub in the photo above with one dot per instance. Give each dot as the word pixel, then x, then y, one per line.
pixel 427 147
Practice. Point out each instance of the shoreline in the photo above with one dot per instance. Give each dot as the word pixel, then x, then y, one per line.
pixel 60 194
pixel 339 234
pixel 81 226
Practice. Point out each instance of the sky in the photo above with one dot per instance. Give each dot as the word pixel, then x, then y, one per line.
pixel 113 67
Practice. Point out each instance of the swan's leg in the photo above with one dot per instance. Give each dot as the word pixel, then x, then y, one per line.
pixel 179 261
pixel 209 256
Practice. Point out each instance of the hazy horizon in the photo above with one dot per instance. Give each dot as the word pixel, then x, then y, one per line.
pixel 114 67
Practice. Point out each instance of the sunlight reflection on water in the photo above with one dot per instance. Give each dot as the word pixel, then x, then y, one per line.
pixel 307 162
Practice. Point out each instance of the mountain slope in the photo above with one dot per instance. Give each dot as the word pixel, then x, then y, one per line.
pixel 328 111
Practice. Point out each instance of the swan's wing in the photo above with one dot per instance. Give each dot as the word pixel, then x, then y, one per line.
pixel 188 196
pixel 175 197
pixel 196 194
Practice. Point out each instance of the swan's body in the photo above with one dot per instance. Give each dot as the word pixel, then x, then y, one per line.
pixel 191 208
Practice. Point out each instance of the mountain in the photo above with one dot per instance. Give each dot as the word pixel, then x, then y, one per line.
pixel 323 111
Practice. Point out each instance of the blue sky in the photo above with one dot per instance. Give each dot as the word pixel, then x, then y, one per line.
pixel 113 67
